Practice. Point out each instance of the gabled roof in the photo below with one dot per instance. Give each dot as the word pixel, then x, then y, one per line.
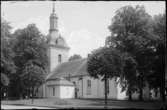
pixel 72 68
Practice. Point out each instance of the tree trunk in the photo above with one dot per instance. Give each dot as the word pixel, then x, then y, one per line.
pixel 162 88
pixel 141 88
pixel 36 92
pixel 32 92
pixel 105 91
pixel 130 95
pixel 163 71
pixel 29 93
pixel 141 94
pixel 7 92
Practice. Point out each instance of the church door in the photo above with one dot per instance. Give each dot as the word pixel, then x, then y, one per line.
pixel 75 90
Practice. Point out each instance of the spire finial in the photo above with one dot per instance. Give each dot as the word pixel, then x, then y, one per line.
pixel 53 6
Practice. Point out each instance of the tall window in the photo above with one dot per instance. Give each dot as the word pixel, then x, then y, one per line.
pixel 88 87
pixel 53 91
pixel 59 58
pixel 56 42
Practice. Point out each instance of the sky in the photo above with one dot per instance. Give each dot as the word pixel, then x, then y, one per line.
pixel 83 24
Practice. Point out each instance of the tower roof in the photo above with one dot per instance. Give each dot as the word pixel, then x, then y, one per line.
pixel 53 14
pixel 53 7
pixel 54 37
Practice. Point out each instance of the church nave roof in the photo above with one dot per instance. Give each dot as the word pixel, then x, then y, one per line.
pixel 74 68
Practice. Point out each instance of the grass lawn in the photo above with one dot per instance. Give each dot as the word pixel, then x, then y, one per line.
pixel 54 102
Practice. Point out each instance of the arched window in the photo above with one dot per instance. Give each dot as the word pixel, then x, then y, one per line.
pixel 59 58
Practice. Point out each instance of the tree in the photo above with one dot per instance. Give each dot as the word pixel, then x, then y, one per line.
pixel 75 57
pixel 33 76
pixel 132 33
pixel 30 46
pixel 104 63
pixel 7 64
pixel 128 79
pixel 158 65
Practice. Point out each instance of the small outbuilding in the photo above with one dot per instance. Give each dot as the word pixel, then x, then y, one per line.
pixel 60 88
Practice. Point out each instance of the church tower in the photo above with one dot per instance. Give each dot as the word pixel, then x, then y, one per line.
pixel 57 47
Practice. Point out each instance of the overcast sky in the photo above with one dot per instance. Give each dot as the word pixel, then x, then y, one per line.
pixel 84 25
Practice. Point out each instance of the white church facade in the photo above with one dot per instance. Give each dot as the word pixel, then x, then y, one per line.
pixel 70 79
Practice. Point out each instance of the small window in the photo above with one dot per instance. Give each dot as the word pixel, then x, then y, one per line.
pixel 53 91
pixel 59 58
pixel 74 83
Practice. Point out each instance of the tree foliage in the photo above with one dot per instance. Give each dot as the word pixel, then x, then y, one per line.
pixel 33 75
pixel 30 45
pixel 7 64
pixel 128 79
pixel 159 55
pixel 131 34
pixel 104 61
pixel 135 32
pixel 30 49
pixel 75 57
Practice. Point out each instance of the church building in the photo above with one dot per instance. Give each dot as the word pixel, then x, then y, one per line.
pixel 70 79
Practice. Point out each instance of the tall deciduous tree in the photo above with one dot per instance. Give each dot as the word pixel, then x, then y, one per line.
pixel 104 63
pixel 7 65
pixel 33 76
pixel 132 33
pixel 128 79
pixel 159 31
pixel 31 47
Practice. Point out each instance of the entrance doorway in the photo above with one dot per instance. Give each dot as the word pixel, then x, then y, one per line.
pixel 75 90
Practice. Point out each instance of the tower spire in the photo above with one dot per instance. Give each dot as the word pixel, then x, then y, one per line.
pixel 53 19
pixel 53 7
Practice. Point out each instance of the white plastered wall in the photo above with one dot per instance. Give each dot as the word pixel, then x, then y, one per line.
pixel 66 92
pixel 97 88
pixel 54 52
